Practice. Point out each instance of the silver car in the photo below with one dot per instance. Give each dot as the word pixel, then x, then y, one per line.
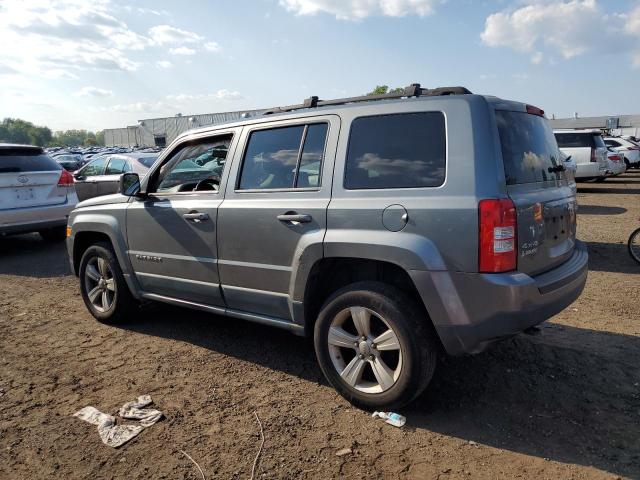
pixel 36 193
pixel 101 175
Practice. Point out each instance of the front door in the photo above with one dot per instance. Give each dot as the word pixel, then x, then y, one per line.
pixel 172 232
pixel 86 179
pixel 274 209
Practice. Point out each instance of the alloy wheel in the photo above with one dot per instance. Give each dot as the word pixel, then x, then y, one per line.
pixel 100 284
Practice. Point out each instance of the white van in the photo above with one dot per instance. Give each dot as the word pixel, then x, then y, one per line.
pixel 587 149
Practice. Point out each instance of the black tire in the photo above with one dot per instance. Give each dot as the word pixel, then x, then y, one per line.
pixel 56 234
pixel 123 304
pixel 634 245
pixel 417 341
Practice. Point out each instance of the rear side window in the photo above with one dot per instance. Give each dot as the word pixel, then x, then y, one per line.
pixel 116 166
pixel 21 160
pixel 96 167
pixel 405 150
pixel 529 149
pixel 284 158
pixel 147 161
pixel 612 143
pixel 579 140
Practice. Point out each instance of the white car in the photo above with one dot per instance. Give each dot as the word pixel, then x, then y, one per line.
pixel 36 193
pixel 570 168
pixel 629 149
pixel 616 162
pixel 587 148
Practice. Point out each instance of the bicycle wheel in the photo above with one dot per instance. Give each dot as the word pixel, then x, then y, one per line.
pixel 634 245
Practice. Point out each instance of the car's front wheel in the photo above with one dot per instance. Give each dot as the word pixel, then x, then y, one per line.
pixel 374 345
pixel 102 285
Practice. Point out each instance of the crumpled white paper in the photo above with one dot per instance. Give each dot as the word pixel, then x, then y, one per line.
pixel 116 435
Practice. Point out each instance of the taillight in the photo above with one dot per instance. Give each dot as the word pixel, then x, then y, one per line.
pixel 497 235
pixel 535 111
pixel 66 179
pixel 614 158
pixel 594 157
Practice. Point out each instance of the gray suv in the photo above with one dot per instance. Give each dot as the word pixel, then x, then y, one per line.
pixel 390 228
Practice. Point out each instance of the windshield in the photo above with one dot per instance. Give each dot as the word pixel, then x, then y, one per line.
pixel 579 140
pixel 529 149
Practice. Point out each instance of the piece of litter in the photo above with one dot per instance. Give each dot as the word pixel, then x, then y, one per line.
pixel 391 418
pixel 116 435
pixel 344 451
pixel 471 442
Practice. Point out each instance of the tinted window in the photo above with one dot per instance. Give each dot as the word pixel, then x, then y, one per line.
pixel 116 166
pixel 613 143
pixel 529 148
pixel 96 167
pixel 192 164
pixel 396 151
pixel 147 161
pixel 21 160
pixel 578 140
pixel 312 156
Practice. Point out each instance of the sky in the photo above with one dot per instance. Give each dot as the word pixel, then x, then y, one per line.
pixel 109 63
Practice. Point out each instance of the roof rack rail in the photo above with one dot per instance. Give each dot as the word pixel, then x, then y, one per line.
pixel 413 90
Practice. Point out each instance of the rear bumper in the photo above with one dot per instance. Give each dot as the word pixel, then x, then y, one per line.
pixel 471 310
pixel 25 220
pixel 585 171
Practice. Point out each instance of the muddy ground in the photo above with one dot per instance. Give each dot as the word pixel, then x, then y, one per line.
pixel 563 404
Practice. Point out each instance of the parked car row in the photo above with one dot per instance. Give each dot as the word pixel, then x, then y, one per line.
pixel 597 156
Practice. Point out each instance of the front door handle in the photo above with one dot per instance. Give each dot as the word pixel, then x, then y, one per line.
pixel 196 216
pixel 295 217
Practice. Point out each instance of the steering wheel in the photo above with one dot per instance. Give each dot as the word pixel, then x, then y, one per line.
pixel 207 184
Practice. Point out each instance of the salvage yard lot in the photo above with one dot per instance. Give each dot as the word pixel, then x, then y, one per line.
pixel 562 404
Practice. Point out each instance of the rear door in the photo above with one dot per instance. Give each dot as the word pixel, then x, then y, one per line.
pixel 109 182
pixel 545 204
pixel 29 178
pixel 275 208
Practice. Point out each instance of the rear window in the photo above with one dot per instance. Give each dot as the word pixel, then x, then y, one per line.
pixel 21 160
pixel 406 150
pixel 579 140
pixel 529 148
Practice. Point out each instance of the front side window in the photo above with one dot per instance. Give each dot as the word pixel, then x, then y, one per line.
pixel 405 150
pixel 284 158
pixel 94 168
pixel 195 166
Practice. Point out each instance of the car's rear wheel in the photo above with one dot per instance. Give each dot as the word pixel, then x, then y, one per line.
pixel 102 285
pixel 56 234
pixel 374 345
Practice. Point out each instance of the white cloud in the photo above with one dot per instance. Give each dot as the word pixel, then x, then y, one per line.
pixel 632 28
pixel 141 107
pixel 93 92
pixel 212 47
pixel 222 94
pixel 168 35
pixel 566 29
pixel 182 51
pixel 38 36
pixel 359 9
pixel 164 64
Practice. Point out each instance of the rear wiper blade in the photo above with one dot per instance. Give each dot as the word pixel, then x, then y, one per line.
pixel 556 169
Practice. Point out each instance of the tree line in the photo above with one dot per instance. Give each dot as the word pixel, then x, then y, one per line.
pixel 15 130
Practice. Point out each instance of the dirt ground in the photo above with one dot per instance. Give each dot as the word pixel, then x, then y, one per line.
pixel 562 404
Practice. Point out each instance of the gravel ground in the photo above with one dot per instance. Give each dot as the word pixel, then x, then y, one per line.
pixel 561 404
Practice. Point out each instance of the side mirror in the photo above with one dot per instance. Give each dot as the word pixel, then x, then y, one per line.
pixel 78 175
pixel 129 184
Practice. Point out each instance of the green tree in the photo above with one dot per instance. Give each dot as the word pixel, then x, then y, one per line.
pixel 382 89
pixel 15 130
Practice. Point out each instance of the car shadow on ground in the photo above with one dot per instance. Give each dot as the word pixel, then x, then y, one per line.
pixel 611 257
pixel 620 191
pixel 570 395
pixel 45 260
pixel 600 210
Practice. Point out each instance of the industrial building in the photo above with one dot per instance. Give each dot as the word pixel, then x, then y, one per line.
pixel 616 124
pixel 159 132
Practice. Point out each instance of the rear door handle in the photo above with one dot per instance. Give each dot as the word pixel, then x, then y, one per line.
pixel 196 216
pixel 295 217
